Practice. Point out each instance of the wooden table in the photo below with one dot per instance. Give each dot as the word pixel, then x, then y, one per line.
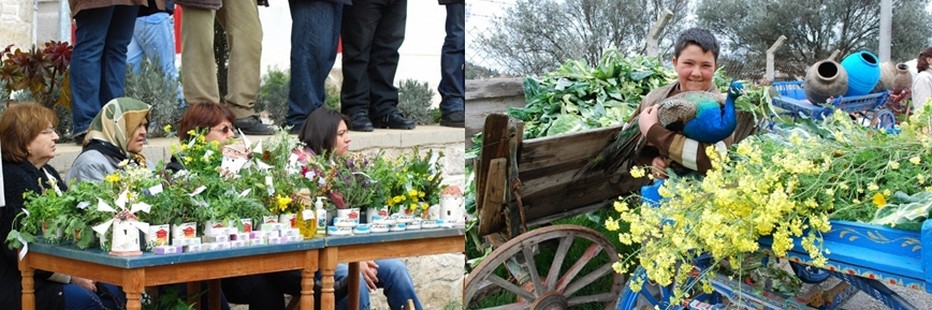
pixel 135 273
pixel 354 249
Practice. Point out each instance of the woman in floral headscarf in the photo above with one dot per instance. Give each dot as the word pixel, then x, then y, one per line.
pixel 115 135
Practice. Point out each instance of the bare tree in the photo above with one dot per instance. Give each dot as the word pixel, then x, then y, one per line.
pixel 533 37
pixel 813 29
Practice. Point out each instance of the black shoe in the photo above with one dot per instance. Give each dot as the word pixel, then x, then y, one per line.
pixel 454 119
pixel 394 120
pixel 360 122
pixel 79 138
pixel 251 125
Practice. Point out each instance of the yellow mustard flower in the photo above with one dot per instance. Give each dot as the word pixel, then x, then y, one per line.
pixel 915 160
pixel 879 200
pixel 167 128
pixel 637 172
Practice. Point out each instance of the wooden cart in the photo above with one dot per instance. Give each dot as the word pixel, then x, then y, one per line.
pixel 526 184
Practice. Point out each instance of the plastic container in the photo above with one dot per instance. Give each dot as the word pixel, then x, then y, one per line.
pixel 863 73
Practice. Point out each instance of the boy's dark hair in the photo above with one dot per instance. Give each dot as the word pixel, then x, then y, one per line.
pixel 700 37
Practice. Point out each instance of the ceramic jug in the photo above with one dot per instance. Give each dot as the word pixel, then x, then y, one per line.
pixel 825 79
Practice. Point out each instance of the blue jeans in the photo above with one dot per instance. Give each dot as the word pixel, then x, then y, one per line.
pixel 316 30
pixel 79 298
pixel 394 280
pixel 154 39
pixel 452 86
pixel 396 285
pixel 98 61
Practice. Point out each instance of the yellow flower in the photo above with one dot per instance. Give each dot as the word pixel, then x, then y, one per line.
pixel 879 200
pixel 915 160
pixel 872 186
pixel 420 194
pixel 167 128
pixel 413 206
pixel 830 191
pixel 637 172
pixel 412 193
pixel 611 224
pixel 620 206
pixel 282 202
pixel 112 178
pixel 894 165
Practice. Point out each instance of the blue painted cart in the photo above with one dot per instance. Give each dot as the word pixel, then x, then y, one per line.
pixel 864 257
pixel 791 97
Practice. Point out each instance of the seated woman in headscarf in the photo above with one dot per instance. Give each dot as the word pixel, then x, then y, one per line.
pixel 116 134
pixel 28 144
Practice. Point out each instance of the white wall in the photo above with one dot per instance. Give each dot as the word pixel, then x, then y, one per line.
pixel 420 53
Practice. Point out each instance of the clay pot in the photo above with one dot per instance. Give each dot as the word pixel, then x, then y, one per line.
pixel 894 77
pixel 825 79
pixel 863 73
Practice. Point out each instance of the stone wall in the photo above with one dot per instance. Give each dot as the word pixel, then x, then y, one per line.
pixel 16 23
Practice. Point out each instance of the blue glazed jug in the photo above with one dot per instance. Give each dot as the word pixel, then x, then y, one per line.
pixel 863 72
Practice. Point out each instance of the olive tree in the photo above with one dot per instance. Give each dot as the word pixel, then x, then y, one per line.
pixel 814 29
pixel 536 36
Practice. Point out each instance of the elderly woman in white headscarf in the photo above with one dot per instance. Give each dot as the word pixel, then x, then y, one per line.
pixel 116 134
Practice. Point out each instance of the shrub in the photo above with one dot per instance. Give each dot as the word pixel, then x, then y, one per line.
pixel 414 101
pixel 273 95
pixel 152 86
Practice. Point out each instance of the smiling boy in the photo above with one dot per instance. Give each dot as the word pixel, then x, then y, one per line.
pixel 695 60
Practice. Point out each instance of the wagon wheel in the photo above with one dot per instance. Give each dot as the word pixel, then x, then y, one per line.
pixel 884 119
pixel 555 281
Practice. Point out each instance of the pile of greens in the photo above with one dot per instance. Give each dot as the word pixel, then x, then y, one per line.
pixel 576 97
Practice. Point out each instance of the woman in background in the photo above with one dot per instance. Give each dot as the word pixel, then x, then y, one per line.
pixel 922 84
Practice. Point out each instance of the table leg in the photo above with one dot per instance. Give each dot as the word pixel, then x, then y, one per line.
pixel 328 265
pixel 29 293
pixel 352 283
pixel 133 284
pixel 213 290
pixel 307 280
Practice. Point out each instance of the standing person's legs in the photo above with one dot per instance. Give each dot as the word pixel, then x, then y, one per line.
pixel 135 52
pixel 389 34
pixel 313 52
pixel 119 34
pixel 359 23
pixel 86 61
pixel 240 20
pixel 199 77
pixel 452 64
pixel 160 43
pixel 396 283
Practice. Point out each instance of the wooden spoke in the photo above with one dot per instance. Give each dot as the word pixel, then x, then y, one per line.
pixel 543 273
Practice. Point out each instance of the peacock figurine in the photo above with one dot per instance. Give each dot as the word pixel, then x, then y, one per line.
pixel 700 115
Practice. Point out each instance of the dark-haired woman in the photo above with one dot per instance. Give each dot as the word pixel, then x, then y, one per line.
pixel 325 132
pixel 922 84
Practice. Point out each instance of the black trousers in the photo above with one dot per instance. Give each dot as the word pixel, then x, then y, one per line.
pixel 373 30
